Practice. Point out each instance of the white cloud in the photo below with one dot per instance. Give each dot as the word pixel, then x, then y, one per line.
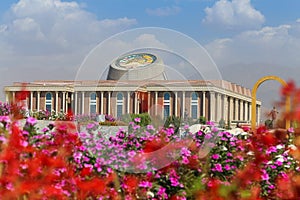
pixel 234 14
pixel 250 55
pixel 43 26
pixel 164 11
pixel 43 37
pixel 278 45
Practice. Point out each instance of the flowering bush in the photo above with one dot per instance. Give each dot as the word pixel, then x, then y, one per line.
pixel 149 163
pixel 5 109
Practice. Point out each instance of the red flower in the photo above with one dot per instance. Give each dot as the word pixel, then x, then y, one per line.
pixel 288 89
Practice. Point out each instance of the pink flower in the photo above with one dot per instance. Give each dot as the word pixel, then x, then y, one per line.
pixel 44 129
pixel 32 121
pixel 218 168
pixel 174 181
pixel 278 163
pixel 131 153
pixel 137 119
pixel 227 167
pixel 215 156
pixel 24 143
pixel 162 193
pixel 145 184
pixel 90 126
pixel 265 175
pixel 185 160
pixel 5 119
pixel 271 150
pixel 229 154
pixel 185 152
pixel 291 130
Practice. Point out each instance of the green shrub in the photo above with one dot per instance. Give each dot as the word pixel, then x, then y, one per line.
pixel 222 123
pixel 202 120
pixel 145 118
pixel 175 121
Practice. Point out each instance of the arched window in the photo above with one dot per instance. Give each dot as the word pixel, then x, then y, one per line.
pixel 194 105
pixel 120 102
pixel 48 101
pixel 167 104
pixel 93 103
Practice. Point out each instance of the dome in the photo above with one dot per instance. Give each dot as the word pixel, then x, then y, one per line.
pixel 137 66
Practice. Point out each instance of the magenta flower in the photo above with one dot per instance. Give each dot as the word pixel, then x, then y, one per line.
pixel 90 126
pixel 215 156
pixel 185 160
pixel 5 119
pixel 278 163
pixel 271 150
pixel 137 119
pixel 174 181
pixel 32 121
pixel 131 153
pixel 227 167
pixel 185 152
pixel 162 193
pixel 218 168
pixel 265 175
pixel 210 123
pixel 145 184
pixel 45 129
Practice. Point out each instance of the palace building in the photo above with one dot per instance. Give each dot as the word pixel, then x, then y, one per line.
pixel 137 83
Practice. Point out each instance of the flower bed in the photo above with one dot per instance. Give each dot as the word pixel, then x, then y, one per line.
pixel 147 163
pixel 142 164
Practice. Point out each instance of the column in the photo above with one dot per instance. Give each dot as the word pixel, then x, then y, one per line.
pixel 246 111
pixel 6 97
pixel 82 102
pixel 236 114
pixel 63 101
pixel 128 102
pixel 135 102
pixel 230 109
pixel 75 106
pixel 56 102
pixel 67 101
pixel 183 104
pixel 212 106
pixel 241 110
pixel 258 114
pixel 14 96
pixel 156 102
pixel 108 103
pixel 102 104
pixel 203 104
pixel 176 98
pixel 219 107
pixel 250 109
pixel 38 100
pixel 225 108
pixel 31 101
pixel 148 106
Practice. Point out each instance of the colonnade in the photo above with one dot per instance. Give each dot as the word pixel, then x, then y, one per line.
pixel 213 105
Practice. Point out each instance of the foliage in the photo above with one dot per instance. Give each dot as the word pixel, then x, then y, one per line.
pixel 149 163
pixel 222 123
pixel 5 109
pixel 173 121
pixel 202 120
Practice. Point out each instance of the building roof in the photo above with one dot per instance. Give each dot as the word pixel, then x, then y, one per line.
pixel 222 84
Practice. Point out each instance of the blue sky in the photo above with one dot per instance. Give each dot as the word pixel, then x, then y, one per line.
pixel 246 38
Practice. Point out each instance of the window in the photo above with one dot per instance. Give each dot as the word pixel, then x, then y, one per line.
pixel 48 102
pixel 194 105
pixel 119 104
pixel 93 103
pixel 166 104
